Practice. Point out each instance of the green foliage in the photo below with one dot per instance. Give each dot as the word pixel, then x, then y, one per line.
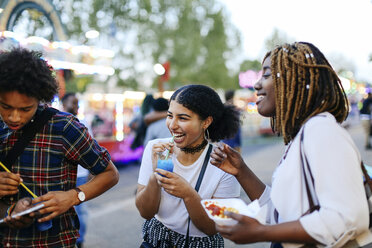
pixel 78 83
pixel 254 65
pixel 277 38
pixel 130 83
pixel 193 35
pixel 194 41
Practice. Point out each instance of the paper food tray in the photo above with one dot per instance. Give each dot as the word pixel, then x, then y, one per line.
pixel 252 210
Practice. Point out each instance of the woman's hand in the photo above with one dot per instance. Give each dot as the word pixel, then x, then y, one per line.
pixel 56 203
pixel 249 230
pixel 159 148
pixel 20 221
pixel 227 159
pixel 9 183
pixel 173 183
pixel 244 232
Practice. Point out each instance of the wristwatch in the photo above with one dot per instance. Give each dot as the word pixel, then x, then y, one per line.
pixel 81 195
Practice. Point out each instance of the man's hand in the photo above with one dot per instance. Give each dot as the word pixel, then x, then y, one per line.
pixel 20 221
pixel 56 203
pixel 9 183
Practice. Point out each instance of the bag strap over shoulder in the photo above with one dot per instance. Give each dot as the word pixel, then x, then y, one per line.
pixel 368 188
pixel 197 186
pixel 367 178
pixel 204 167
pixel 29 132
pixel 308 178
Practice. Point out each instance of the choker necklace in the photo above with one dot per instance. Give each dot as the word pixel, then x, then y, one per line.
pixel 195 149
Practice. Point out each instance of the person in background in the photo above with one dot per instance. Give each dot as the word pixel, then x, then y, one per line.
pixel 70 105
pixel 158 129
pixel 138 125
pixel 196 118
pixel 48 164
pixel 153 116
pixel 303 96
pixel 235 141
pixel 365 119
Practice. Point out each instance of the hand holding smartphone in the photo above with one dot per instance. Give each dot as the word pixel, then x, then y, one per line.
pixel 27 211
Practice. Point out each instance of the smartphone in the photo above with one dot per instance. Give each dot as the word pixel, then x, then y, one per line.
pixel 27 211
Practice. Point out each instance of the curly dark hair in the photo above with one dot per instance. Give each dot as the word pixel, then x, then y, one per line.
pixel 205 102
pixel 26 72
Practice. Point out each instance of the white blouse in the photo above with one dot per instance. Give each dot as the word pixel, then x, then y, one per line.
pixel 334 161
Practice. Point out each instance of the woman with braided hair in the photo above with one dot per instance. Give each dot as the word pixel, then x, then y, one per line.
pixel 317 197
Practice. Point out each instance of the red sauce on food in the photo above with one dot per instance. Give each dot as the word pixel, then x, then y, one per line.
pixel 215 210
pixel 218 211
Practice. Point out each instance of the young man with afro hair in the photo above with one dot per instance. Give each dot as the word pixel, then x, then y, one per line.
pixel 47 166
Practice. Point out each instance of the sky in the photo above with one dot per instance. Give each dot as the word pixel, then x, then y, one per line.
pixel 334 26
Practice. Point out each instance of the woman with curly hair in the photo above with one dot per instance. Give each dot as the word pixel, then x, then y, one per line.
pixel 48 163
pixel 168 200
pixel 317 198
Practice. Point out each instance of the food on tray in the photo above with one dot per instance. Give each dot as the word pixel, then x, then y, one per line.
pixel 217 210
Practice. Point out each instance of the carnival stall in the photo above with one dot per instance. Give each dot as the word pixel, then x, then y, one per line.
pixel 108 116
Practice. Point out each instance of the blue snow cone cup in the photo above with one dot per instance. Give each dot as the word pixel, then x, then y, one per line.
pixel 43 226
pixel 165 160
pixel 165 164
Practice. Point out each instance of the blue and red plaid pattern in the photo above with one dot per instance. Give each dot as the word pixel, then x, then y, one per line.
pixel 49 163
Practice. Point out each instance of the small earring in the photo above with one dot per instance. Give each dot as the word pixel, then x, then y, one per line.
pixel 206 134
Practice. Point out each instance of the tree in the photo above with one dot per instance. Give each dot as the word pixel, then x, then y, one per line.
pixel 277 38
pixel 214 70
pixel 194 41
pixel 250 65
pixel 190 34
pixel 194 35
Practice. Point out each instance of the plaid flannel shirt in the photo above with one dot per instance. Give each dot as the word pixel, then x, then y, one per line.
pixel 49 163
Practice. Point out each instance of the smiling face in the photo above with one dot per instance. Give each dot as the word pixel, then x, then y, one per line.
pixel 265 91
pixel 185 125
pixel 17 109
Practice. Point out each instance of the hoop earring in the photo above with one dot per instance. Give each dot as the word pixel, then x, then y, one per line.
pixel 206 134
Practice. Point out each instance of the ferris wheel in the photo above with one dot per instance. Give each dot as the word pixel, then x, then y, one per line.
pixel 11 12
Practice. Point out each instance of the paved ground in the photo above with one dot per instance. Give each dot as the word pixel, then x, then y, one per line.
pixel 114 220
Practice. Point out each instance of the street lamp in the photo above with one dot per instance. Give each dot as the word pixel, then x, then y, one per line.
pixel 159 69
pixel 91 34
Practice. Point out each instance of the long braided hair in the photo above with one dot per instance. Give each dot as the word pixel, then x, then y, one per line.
pixel 305 84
